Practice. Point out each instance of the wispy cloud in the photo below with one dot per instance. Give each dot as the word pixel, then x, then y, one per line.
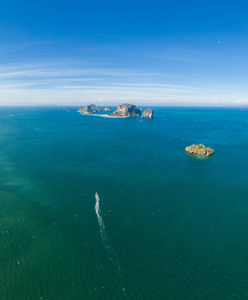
pixel 72 72
pixel 31 84
pixel 242 101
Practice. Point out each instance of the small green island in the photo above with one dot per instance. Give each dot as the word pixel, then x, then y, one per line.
pixel 89 109
pixel 199 150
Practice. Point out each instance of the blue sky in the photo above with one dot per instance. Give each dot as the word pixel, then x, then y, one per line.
pixel 108 52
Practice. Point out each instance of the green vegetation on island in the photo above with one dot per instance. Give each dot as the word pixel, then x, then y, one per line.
pixel 126 110
pixel 199 150
pixel 89 109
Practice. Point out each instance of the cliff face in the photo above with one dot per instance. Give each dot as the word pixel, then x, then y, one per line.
pixel 199 150
pixel 148 114
pixel 126 110
pixel 89 109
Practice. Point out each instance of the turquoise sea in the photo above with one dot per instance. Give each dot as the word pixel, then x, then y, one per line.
pixel 166 225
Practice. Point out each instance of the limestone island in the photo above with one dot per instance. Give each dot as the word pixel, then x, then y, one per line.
pixel 148 114
pixel 68 109
pixel 89 109
pixel 199 150
pixel 107 109
pixel 126 110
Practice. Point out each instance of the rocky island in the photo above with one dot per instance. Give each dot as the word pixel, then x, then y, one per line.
pixel 89 109
pixel 199 150
pixel 148 114
pixel 107 109
pixel 126 110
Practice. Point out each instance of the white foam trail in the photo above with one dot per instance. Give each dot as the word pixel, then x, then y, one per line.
pixel 101 223
pixel 104 238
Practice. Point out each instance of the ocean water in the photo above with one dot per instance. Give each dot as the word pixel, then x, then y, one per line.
pixel 164 225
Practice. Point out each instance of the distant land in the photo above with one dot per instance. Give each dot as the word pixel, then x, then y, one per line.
pixel 125 110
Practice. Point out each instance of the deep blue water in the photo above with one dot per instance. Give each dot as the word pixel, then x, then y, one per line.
pixel 174 226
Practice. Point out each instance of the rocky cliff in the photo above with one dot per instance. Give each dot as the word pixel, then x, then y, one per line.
pixel 126 110
pixel 148 114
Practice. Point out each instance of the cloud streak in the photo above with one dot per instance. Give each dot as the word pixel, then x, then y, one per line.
pixel 242 101
pixel 31 85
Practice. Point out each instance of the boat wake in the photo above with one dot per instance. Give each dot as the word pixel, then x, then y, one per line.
pixel 101 223
pixel 105 242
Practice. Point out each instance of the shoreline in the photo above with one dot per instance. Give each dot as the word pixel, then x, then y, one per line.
pixel 105 116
